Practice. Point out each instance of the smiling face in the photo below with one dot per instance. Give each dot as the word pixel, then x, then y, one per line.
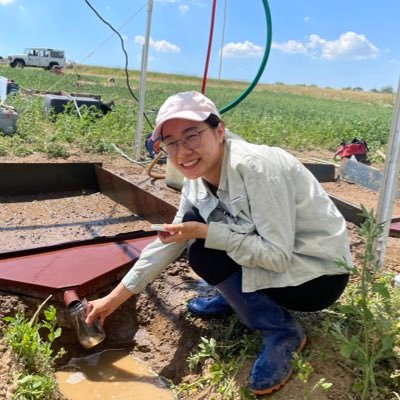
pixel 204 161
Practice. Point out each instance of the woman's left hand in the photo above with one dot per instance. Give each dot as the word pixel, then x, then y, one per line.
pixel 183 232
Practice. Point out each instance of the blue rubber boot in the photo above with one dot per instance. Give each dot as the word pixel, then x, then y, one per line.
pixel 209 306
pixel 281 333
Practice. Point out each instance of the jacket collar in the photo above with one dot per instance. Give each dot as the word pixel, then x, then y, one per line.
pixel 237 190
pixel 231 182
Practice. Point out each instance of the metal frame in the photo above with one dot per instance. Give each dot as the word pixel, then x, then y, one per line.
pixel 86 266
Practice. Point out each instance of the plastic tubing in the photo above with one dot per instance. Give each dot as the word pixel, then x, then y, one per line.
pixel 203 86
pixel 262 65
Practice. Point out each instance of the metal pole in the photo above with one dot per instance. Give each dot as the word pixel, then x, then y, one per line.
pixel 389 184
pixel 143 71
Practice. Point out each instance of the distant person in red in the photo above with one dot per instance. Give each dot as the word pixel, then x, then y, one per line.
pixel 258 227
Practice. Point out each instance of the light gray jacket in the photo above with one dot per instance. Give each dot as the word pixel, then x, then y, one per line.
pixel 278 222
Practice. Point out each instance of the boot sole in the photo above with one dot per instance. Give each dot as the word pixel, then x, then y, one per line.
pixel 279 385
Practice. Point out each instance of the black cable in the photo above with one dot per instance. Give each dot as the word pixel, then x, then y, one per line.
pixel 126 57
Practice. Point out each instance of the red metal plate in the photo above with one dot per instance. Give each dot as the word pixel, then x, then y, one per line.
pixel 395 227
pixel 84 268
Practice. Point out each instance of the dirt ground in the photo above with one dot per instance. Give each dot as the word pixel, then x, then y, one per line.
pixel 155 324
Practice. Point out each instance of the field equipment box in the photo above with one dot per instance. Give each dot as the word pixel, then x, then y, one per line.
pixel 8 120
pixel 56 103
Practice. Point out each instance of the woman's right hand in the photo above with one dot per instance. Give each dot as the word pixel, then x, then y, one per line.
pixel 101 308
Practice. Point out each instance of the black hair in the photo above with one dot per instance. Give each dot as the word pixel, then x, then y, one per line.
pixel 213 120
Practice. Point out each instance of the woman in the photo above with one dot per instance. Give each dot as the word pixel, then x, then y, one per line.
pixel 258 227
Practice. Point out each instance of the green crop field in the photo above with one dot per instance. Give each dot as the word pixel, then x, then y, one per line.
pixel 354 345
pixel 295 117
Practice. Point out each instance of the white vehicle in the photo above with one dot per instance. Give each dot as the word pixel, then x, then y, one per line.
pixel 37 57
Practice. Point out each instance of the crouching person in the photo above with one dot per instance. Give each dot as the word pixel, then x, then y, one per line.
pixel 258 227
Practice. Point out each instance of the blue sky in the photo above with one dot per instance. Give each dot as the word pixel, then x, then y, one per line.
pixel 337 43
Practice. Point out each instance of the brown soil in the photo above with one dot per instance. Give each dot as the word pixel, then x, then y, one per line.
pixel 155 324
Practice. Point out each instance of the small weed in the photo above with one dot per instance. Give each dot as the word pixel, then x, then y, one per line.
pixel 304 371
pixel 3 150
pixel 34 387
pixel 370 329
pixel 221 361
pixel 35 354
pixel 54 150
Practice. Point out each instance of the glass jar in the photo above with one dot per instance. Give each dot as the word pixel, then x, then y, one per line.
pixel 88 335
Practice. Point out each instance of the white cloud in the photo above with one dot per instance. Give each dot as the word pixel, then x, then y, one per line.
pixel 349 46
pixel 315 42
pixel 22 8
pixel 183 8
pixel 124 37
pixel 139 39
pixel 307 19
pixel 290 47
pixel 164 47
pixel 161 46
pixel 244 49
pixel 4 2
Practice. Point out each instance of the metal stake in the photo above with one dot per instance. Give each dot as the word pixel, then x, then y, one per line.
pixel 389 184
pixel 143 71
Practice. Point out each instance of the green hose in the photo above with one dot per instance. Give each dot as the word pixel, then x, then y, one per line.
pixel 263 62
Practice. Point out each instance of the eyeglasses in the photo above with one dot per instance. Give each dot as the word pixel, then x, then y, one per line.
pixel 190 139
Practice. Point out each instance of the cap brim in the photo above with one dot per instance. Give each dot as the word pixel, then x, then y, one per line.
pixel 186 114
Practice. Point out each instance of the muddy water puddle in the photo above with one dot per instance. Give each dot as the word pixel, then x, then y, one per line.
pixel 110 375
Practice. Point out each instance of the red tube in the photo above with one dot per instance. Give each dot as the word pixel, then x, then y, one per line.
pixel 210 39
pixel 70 298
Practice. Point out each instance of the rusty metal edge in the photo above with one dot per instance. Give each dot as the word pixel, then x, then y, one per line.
pixel 87 289
pixel 137 200
pixel 20 179
pixel 76 243
pixel 322 172
pixel 350 212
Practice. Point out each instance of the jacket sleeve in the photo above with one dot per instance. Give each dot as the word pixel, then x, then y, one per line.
pixel 155 257
pixel 267 240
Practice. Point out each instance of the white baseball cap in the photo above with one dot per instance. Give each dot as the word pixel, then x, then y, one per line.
pixel 193 106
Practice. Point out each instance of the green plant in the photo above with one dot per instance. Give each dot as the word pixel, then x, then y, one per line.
pixel 370 328
pixel 304 371
pixel 35 354
pixel 221 362
pixel 296 117
pixel 35 387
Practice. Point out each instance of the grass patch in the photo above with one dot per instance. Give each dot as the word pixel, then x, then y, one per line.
pixel 35 354
pixel 295 117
